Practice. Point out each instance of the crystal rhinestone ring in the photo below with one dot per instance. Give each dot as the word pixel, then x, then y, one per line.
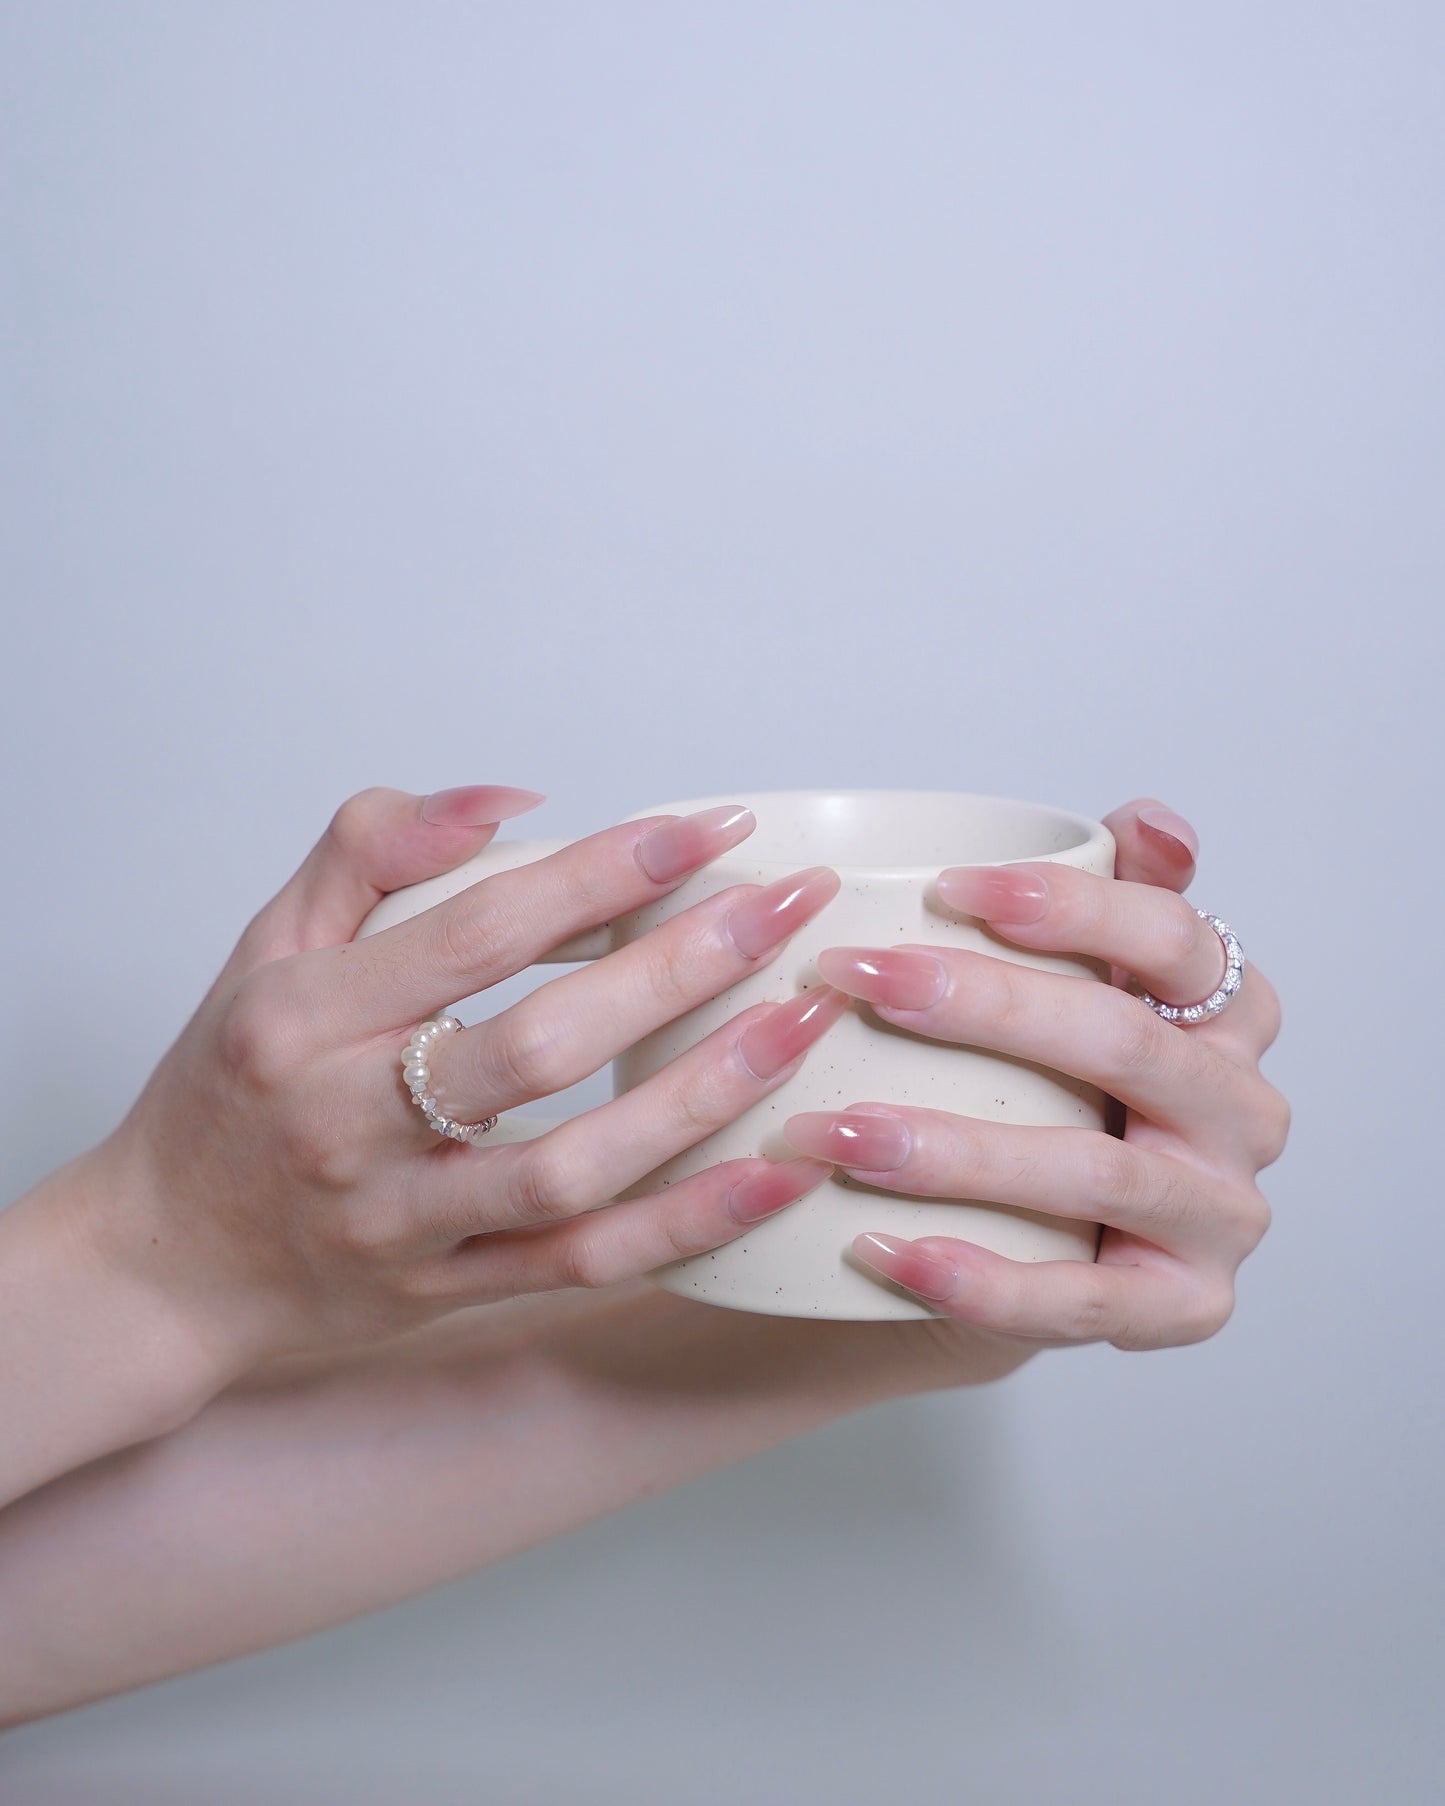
pixel 1215 1002
pixel 417 1073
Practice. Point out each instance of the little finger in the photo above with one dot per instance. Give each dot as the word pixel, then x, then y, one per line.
pixel 1156 1304
pixel 606 1246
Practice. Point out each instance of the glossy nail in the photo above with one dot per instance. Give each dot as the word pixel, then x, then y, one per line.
pixel 1171 827
pixel 477 805
pixel 674 848
pixel 900 979
pixel 789 1030
pixel 761 921
pixel 907 1265
pixel 874 1144
pixel 995 893
pixel 764 1193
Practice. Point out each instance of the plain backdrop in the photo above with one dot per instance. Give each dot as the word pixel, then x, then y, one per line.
pixel 635 401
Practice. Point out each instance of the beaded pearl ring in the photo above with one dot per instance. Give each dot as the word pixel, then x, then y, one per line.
pixel 417 1074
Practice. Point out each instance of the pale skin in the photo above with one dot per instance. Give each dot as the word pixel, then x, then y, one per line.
pixel 272 1356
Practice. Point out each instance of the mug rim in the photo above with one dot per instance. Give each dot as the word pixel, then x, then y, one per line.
pixel 1093 832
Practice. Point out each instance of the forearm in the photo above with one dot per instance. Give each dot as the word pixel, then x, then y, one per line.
pixel 323 1489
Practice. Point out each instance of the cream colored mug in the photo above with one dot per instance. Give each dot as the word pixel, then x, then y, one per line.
pixel 887 846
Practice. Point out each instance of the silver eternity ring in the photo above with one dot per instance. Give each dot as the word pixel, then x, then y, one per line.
pixel 1215 1002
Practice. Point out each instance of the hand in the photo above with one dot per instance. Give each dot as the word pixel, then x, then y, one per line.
pixel 1176 1193
pixel 271 1183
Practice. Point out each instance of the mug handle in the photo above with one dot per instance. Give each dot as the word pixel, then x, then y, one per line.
pixel 498 856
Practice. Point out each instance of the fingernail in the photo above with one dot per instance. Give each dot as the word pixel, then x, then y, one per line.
pixel 761 921
pixel 675 847
pixel 876 1144
pixel 788 1030
pixel 477 805
pixel 1170 826
pixel 994 892
pixel 764 1193
pixel 907 1265
pixel 901 980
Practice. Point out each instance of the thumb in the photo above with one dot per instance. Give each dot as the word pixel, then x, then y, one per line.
pixel 377 841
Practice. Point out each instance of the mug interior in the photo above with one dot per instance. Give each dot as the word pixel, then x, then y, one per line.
pixel 894 830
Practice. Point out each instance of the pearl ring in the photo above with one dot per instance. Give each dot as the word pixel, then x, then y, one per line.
pixel 416 1071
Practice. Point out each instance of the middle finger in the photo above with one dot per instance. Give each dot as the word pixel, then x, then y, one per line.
pixel 588 1160
pixel 1144 929
pixel 571 1026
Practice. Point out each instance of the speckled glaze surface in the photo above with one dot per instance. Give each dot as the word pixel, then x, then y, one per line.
pixel 887 847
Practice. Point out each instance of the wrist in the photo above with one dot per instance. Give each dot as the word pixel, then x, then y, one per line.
pixel 163 1261
pixel 94 1354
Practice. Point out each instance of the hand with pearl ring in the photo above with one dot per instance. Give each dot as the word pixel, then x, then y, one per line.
pixel 268 1194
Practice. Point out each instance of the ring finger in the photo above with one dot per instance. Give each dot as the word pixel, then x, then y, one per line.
pixel 1064 1172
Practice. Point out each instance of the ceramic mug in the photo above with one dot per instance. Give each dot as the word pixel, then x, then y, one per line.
pixel 887 846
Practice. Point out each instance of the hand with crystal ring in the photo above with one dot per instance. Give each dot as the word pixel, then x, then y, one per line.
pixel 1175 1190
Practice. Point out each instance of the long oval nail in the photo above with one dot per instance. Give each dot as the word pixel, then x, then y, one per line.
pixel 875 1144
pixel 1170 827
pixel 789 1030
pixel 761 921
pixel 898 978
pixel 907 1265
pixel 994 893
pixel 477 805
pixel 765 1192
pixel 674 848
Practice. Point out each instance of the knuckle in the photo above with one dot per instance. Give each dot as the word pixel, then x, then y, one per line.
pixel 589 879
pixel 999 997
pixel 677 1231
pixel 527 1051
pixel 1210 1314
pixel 351 827
pixel 1147 1193
pixel 586 1259
pixel 1139 1035
pixel 469 935
pixel 707 1102
pixel 1087 1316
pixel 673 971
pixel 256 1039
pixel 333 1163
pixel 549 1186
pixel 1111 1172
pixel 1255 1218
pixel 1272 1118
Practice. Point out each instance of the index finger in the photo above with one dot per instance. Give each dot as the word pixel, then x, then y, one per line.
pixel 504 923
pixel 1153 844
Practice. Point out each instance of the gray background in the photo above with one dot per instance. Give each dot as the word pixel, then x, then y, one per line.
pixel 639 401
